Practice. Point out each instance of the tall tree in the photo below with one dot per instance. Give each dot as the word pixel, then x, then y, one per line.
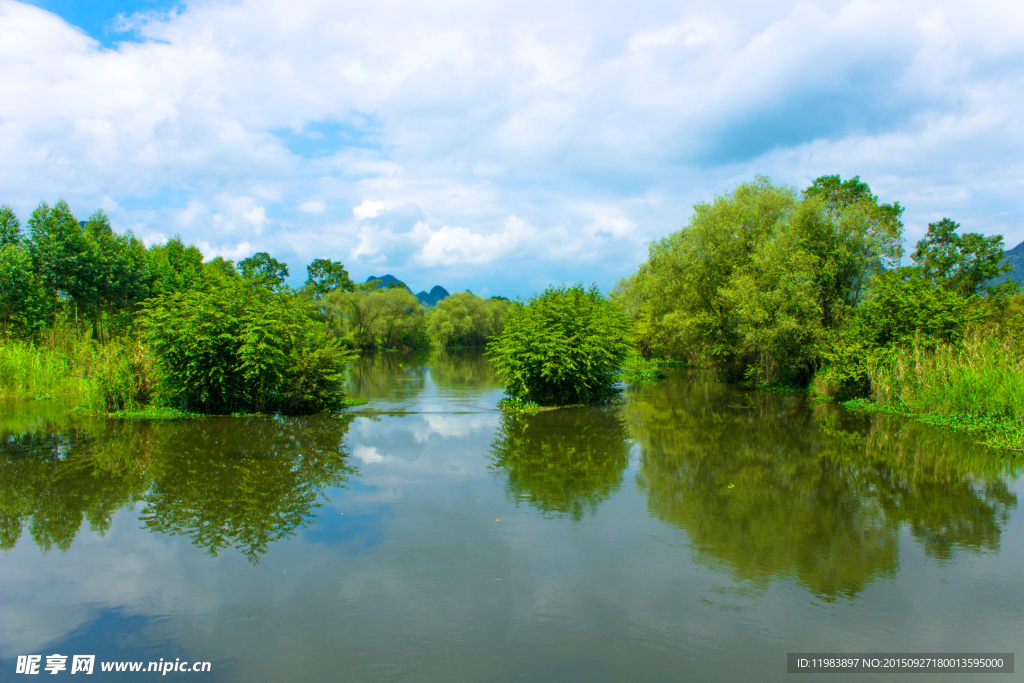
pixel 16 283
pixel 961 263
pixel 263 267
pixel 174 267
pixel 326 276
pixel 10 227
pixel 59 250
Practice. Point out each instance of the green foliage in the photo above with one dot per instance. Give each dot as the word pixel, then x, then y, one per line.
pixel 760 279
pixel 123 378
pixel 515 405
pixel 961 263
pixel 17 285
pixel 230 347
pixel 264 268
pixel 10 227
pixel 465 319
pixel 326 276
pixel 639 370
pixel 59 252
pixel 174 266
pixel 372 318
pixel 563 346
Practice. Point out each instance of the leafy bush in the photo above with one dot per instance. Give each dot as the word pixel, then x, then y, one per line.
pixel 236 345
pixel 561 347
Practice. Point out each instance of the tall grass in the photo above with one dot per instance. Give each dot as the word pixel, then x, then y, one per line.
pixel 111 377
pixel 983 374
pixel 31 371
pixel 122 378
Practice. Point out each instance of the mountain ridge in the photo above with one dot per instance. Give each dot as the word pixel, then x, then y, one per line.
pixel 436 294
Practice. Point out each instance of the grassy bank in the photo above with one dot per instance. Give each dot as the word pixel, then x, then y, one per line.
pixel 975 385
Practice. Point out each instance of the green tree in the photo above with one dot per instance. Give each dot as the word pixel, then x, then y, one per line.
pixel 962 263
pixel 760 280
pixel 465 319
pixel 327 276
pixel 174 267
pixel 263 267
pixel 10 227
pixel 17 283
pixel 400 319
pixel 563 346
pixel 59 250
pixel 851 236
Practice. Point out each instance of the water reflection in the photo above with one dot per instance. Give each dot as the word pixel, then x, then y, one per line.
pixel 240 483
pixel 563 462
pixel 766 487
pixel 464 369
pixel 389 376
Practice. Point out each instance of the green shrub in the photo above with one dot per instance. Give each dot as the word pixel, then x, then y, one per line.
pixel 561 347
pixel 238 345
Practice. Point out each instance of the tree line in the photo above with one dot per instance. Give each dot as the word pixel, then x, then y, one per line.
pixel 175 329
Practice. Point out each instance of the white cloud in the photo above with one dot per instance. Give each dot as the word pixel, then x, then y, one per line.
pixel 241 250
pixel 472 115
pixel 313 206
pixel 367 454
pixel 370 208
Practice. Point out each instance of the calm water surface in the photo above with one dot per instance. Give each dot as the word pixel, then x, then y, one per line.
pixel 692 532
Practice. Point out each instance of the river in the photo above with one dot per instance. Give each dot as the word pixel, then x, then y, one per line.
pixel 692 531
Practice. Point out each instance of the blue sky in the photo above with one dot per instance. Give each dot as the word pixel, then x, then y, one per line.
pixel 503 146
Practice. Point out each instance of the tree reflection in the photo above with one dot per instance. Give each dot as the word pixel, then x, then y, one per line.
pixel 766 487
pixel 564 462
pixel 388 376
pixel 223 482
pixel 463 369
pixel 49 489
pixel 245 483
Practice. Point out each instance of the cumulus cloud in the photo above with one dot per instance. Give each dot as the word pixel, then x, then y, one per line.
pixel 242 250
pixel 221 119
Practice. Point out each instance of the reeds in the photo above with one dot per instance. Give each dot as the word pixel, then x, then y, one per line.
pixel 122 378
pixel 983 374
pixel 30 371
pixel 117 376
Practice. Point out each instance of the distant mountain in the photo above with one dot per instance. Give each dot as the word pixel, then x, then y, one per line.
pixel 1015 257
pixel 386 280
pixel 425 298
pixel 435 295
